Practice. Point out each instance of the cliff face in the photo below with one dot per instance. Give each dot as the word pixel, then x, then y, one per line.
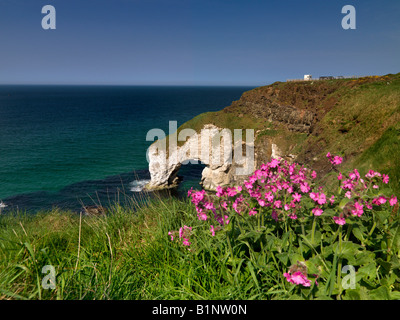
pixel 225 163
pixel 296 121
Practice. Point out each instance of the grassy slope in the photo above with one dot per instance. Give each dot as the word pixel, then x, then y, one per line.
pixel 364 128
pixel 359 119
pixel 124 255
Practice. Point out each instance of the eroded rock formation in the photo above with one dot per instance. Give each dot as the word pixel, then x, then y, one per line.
pixel 226 162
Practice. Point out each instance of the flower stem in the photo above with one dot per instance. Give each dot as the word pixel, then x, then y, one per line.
pixel 339 268
pixel 313 230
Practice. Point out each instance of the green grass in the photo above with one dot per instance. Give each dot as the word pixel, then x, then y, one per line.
pixel 124 255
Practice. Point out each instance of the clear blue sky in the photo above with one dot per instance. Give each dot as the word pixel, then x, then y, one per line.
pixel 195 42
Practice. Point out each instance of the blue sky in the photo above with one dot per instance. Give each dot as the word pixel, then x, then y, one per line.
pixel 195 42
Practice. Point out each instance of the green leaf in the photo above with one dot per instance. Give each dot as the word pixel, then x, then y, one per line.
pixel 317 239
pixel 250 235
pixel 386 265
pixel 312 265
pixel 358 233
pixel 283 257
pixel 30 250
pixel 395 262
pixel 362 258
pixel 395 230
pixel 352 294
pixel 395 295
pixel 294 257
pixel 382 293
pixel 348 251
pixel 343 203
pixel 368 271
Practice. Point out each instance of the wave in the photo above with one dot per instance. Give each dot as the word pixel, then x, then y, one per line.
pixel 138 185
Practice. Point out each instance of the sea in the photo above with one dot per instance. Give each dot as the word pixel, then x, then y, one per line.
pixel 72 146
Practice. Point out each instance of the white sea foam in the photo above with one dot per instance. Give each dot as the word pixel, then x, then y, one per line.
pixel 138 185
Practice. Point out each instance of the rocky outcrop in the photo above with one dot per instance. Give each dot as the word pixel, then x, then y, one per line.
pixel 265 103
pixel 226 162
pixel 295 119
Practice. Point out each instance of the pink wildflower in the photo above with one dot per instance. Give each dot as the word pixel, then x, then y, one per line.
pixel 358 209
pixel 212 230
pixel 274 163
pixel 252 212
pixel 248 185
pixel 226 220
pixel 321 198
pixel 269 196
pixel 297 197
pixel 313 175
pixel 278 204
pixel 379 201
pixel 171 235
pixel 220 191
pixel 202 216
pixel 231 192
pixel 297 278
pixel 261 202
pixel 385 178
pixel 304 187
pixel 209 206
pixel 339 220
pixel 393 201
pixel 314 196
pixel 317 211
pixel 337 160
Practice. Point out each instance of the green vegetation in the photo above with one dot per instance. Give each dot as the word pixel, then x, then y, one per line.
pixel 128 254
pixel 124 255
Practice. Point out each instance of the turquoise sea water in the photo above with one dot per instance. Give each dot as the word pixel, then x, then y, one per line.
pixel 67 145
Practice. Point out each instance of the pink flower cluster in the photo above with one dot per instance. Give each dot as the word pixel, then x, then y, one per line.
pixel 335 160
pixel 277 185
pixel 184 235
pixel 204 204
pixel 297 278
pixel 278 188
pixel 356 187
pixel 297 275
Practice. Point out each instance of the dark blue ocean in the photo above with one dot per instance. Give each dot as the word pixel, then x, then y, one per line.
pixel 68 146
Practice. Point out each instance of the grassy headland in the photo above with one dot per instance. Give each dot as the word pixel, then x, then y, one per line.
pixel 128 254
pixel 356 118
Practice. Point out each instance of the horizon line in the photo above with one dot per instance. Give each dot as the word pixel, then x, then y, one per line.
pixel 134 85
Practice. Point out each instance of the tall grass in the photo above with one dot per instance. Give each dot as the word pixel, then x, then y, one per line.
pixel 123 255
